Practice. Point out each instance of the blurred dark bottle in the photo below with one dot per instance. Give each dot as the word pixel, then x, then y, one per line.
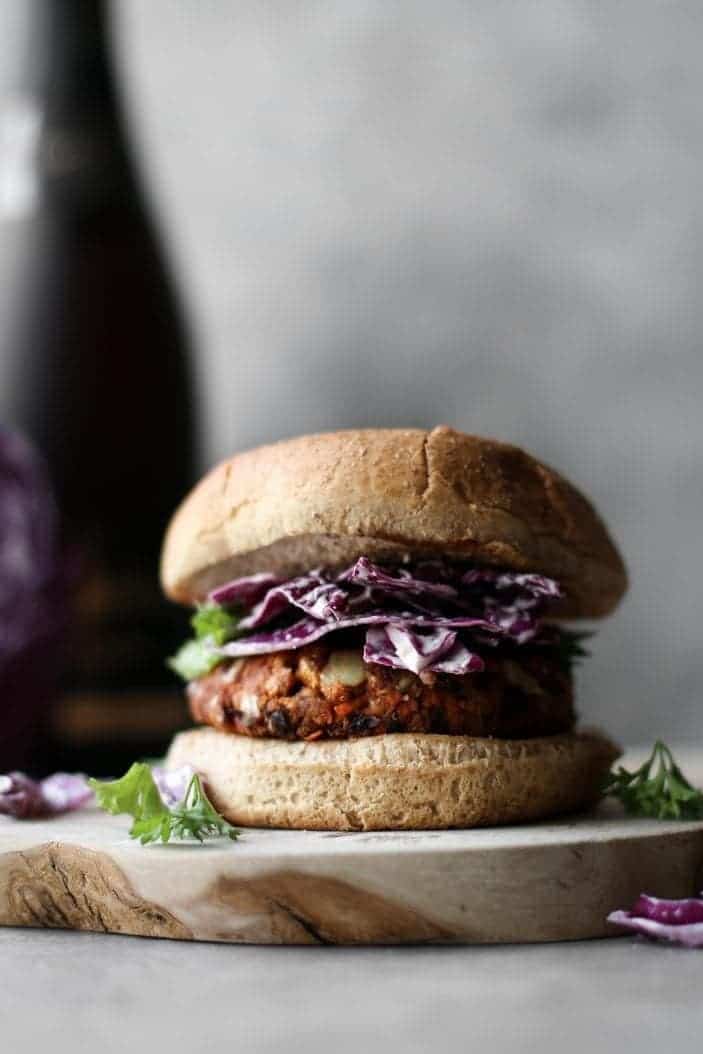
pixel 98 377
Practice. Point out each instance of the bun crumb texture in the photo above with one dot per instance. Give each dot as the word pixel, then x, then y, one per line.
pixel 402 781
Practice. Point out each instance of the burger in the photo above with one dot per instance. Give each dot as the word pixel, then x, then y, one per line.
pixel 379 638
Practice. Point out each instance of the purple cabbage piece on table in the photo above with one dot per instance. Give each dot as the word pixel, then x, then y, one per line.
pixel 25 798
pixel 64 792
pixel 677 921
pixel 21 797
pixel 413 622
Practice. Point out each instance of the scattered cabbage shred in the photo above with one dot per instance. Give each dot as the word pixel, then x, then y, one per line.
pixel 26 799
pixel 677 921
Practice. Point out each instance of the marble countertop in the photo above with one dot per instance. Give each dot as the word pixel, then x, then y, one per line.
pixel 62 991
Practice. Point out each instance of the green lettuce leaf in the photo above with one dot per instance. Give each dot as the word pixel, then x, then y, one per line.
pixel 211 622
pixel 213 626
pixel 194 659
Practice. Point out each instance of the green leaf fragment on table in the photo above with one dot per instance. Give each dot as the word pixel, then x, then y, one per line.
pixel 658 788
pixel 137 795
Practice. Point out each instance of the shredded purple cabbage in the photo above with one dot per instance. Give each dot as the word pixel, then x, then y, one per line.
pixel 418 650
pixel 244 590
pixel 33 590
pixel 172 783
pixel 429 617
pixel 25 798
pixel 21 797
pixel 678 921
pixel 64 792
pixel 30 602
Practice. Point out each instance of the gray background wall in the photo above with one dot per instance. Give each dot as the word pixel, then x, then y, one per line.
pixel 482 213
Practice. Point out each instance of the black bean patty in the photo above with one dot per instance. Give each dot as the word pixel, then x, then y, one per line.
pixel 323 692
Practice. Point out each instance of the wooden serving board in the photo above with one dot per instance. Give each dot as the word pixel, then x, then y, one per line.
pixel 545 882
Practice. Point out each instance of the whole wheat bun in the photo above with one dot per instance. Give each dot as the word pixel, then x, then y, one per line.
pixel 324 500
pixel 405 781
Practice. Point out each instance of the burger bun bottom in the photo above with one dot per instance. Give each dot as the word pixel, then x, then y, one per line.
pixel 403 781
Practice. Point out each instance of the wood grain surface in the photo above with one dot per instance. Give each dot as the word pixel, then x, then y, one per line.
pixel 544 882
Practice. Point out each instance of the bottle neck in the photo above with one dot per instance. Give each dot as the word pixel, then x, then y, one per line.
pixel 69 56
pixel 83 160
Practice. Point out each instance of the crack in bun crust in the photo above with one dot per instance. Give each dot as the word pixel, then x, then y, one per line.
pixel 324 500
